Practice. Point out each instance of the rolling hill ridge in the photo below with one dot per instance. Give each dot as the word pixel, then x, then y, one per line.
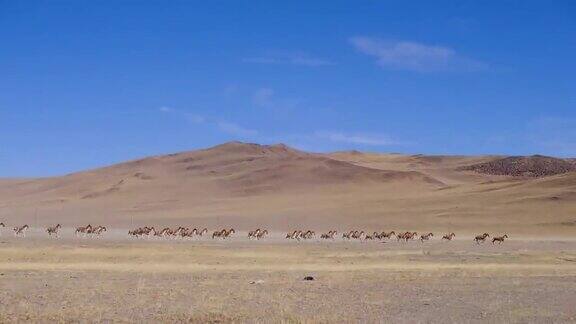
pixel 275 185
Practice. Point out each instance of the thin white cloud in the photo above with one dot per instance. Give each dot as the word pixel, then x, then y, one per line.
pixel 309 61
pixel 262 97
pixel 262 60
pixel 230 90
pixel 288 58
pixel 234 129
pixel 356 139
pixel 220 125
pixel 193 118
pixel 266 98
pixel 413 56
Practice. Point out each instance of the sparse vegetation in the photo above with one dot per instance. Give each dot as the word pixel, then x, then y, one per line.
pixel 121 280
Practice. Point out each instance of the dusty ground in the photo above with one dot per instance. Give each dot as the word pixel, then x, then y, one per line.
pixel 116 279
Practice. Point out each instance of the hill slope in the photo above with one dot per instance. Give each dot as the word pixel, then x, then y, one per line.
pixel 275 186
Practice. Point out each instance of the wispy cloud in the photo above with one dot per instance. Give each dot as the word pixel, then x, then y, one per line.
pixel 327 141
pixel 262 97
pixel 358 139
pixel 289 58
pixel 266 98
pixel 323 139
pixel 194 118
pixel 234 129
pixel 413 56
pixel 220 125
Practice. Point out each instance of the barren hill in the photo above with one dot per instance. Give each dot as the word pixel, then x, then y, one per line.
pixel 278 187
pixel 229 169
pixel 440 167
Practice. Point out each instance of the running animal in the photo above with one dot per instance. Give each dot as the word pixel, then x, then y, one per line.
pixel 253 234
pixel 499 239
pixel 385 235
pixel 425 237
pixel 53 230
pixel 20 231
pixel 481 238
pixel 448 237
pixel 329 235
pixel 261 234
pixel 83 230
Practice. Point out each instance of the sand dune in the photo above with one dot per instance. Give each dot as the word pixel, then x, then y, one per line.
pixel 280 187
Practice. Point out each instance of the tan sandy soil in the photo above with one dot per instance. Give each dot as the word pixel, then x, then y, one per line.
pixel 115 279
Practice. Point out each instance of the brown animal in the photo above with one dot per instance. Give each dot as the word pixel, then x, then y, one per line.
pixel 100 230
pixel 406 236
pixel 141 231
pixel 202 232
pixel 385 235
pixel 223 233
pixel 159 234
pixel 499 239
pixel 307 235
pixel 261 234
pixel 357 235
pixel 83 229
pixel 329 235
pixel 53 230
pixel 425 237
pixel 216 234
pixel 448 237
pixel 188 233
pixel 481 238
pixel 176 232
pixel 402 236
pixel 298 235
pixel 371 237
pixel 253 234
pixel 229 232
pixel 20 231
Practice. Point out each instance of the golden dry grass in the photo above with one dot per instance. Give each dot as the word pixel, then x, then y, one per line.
pixel 119 280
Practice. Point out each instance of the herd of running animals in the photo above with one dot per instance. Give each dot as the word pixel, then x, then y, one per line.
pixel 183 232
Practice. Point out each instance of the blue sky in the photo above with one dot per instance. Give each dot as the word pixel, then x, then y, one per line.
pixel 90 83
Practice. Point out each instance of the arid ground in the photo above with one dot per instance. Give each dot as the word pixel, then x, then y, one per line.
pixel 116 279
pixel 531 277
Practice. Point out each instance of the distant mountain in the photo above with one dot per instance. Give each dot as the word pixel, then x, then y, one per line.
pixel 229 169
pixel 524 166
